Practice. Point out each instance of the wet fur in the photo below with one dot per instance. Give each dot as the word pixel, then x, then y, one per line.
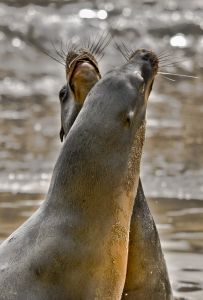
pixel 75 246
pixel 147 276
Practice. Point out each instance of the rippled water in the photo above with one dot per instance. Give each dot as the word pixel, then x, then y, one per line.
pixel 172 166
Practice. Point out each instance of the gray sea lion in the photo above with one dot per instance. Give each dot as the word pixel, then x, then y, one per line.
pixel 75 246
pixel 147 276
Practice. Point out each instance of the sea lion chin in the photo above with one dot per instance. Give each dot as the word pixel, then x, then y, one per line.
pixel 75 245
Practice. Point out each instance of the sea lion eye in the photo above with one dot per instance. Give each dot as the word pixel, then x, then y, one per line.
pixel 129 119
pixel 62 93
pixel 128 122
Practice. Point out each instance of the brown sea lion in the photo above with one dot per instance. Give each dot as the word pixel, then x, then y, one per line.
pixel 147 276
pixel 76 244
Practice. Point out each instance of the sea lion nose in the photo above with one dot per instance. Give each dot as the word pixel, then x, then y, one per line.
pixel 145 55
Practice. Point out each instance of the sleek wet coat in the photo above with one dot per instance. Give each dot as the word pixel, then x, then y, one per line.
pixel 147 276
pixel 76 244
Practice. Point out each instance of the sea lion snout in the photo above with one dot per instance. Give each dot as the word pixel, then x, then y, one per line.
pixel 147 61
pixel 145 64
pixel 146 56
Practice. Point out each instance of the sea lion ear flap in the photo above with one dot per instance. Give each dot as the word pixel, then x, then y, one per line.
pixel 61 134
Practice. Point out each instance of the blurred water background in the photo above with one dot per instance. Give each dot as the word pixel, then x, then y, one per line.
pixel 172 165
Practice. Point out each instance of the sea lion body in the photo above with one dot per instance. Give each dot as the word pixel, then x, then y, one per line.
pixel 76 245
pixel 147 276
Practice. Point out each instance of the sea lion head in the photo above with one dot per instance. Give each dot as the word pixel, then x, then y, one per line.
pixel 132 83
pixel 82 73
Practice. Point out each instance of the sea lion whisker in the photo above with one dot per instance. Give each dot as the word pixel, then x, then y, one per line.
pixel 88 42
pixel 172 60
pixel 164 52
pixel 52 57
pixel 167 66
pixel 126 49
pixel 95 43
pixel 165 55
pixel 58 52
pixel 106 41
pixel 172 64
pixel 70 46
pixel 62 51
pixel 54 47
pixel 168 78
pixel 118 47
pixel 122 50
pixel 167 63
pixel 85 43
pixel 100 57
pixel 103 42
pixel 92 43
pixel 178 75
pixel 178 59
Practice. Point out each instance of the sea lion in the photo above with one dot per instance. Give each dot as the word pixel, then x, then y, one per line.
pixel 75 246
pixel 147 276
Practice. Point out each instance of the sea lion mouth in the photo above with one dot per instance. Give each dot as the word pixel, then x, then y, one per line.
pixel 74 60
